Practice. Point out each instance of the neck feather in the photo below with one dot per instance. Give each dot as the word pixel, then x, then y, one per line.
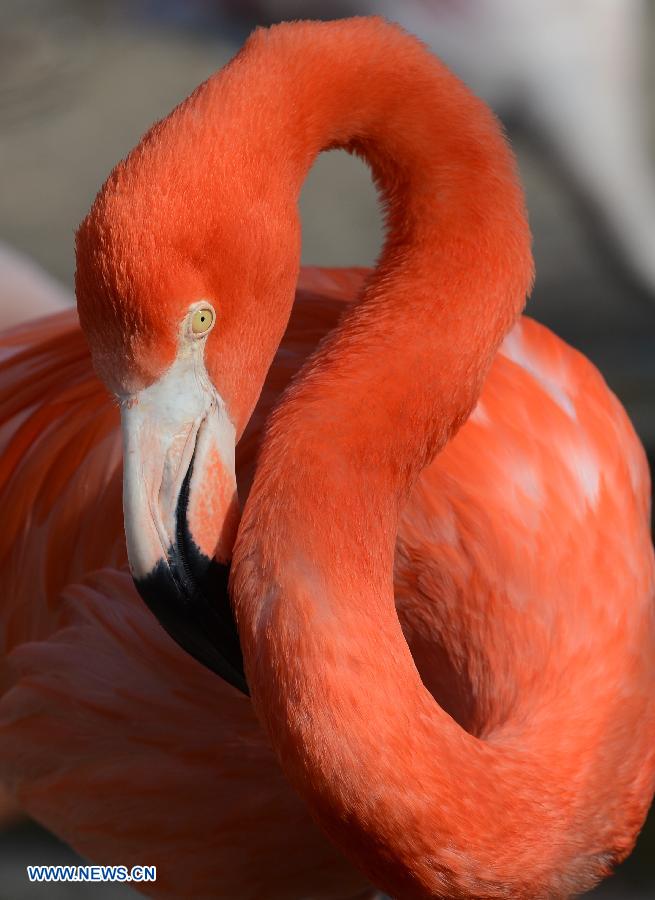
pixel 388 774
pixel 456 265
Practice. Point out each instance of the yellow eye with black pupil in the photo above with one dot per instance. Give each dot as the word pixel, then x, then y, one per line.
pixel 202 320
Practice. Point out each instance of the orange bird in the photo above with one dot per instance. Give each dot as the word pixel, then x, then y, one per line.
pixel 442 574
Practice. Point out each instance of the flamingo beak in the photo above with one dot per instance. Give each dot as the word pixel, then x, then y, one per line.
pixel 181 510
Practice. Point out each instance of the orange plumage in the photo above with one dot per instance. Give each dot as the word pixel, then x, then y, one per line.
pixel 434 450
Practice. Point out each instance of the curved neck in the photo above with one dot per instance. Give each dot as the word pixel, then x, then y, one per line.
pixel 383 768
pixel 456 265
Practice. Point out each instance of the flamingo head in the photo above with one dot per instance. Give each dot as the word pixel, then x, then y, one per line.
pixel 183 301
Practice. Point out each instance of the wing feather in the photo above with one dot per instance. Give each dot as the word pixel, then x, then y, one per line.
pixel 60 481
pixel 152 760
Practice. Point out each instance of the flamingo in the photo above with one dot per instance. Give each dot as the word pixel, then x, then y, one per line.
pixel 419 654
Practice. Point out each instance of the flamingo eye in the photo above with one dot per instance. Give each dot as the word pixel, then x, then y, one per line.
pixel 202 320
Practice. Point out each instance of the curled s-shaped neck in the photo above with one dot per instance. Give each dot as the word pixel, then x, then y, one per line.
pixel 389 775
pixel 456 264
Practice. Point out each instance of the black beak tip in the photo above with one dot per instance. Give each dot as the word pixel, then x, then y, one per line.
pixel 188 593
pixel 177 592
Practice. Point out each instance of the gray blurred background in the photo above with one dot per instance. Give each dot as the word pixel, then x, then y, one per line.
pixel 81 80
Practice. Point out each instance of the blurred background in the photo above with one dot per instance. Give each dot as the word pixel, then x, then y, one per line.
pixel 81 80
